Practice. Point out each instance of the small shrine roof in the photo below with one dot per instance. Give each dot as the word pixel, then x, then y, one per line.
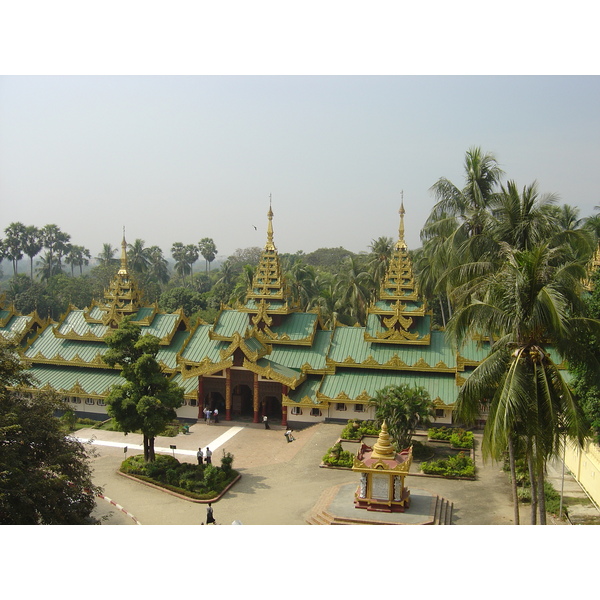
pixel 14 326
pixel 419 330
pixel 295 327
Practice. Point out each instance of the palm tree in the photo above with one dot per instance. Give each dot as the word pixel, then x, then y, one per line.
pixel 470 205
pixel 301 279
pixel 56 242
pixel 208 249
pixel 32 245
pixel 381 252
pixel 77 256
pixel 532 300
pixel 158 268
pixel 138 257
pixel 403 408
pixel 107 255
pixel 353 290
pixel 13 243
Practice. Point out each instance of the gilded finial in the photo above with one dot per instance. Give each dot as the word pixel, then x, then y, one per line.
pixel 401 242
pixel 270 245
pixel 383 447
pixel 123 269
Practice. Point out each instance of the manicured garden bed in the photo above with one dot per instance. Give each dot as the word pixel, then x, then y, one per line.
pixel 197 482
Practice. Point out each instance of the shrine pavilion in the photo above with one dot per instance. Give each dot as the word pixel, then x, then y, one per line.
pixel 263 357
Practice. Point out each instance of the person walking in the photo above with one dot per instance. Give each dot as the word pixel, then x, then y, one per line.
pixel 288 435
pixel 266 422
pixel 200 456
pixel 216 415
pixel 207 413
pixel 210 519
pixel 208 457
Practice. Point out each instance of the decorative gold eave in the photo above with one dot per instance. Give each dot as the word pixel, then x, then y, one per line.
pixel 382 467
pixel 270 373
pixel 398 337
pixel 239 342
pixel 205 367
pixel 57 359
pixel 88 336
pixel 363 398
pixel 77 391
pixel 439 403
pixel 305 402
pixel 395 363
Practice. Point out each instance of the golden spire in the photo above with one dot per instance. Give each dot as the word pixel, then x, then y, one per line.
pixel 270 245
pixel 383 447
pixel 123 269
pixel 401 243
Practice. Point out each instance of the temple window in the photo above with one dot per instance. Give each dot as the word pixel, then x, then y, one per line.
pixel 340 406
pixel 100 402
pixel 359 408
pixel 296 410
pixel 89 401
pixel 439 412
pixel 315 412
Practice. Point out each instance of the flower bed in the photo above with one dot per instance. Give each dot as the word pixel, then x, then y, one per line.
pixel 356 429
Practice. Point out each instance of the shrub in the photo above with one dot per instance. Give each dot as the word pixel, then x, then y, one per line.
pixel 453 466
pixel 439 433
pixel 356 429
pixel 462 439
pixel 337 457
pixel 197 481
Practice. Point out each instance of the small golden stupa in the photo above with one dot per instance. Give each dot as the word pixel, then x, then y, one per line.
pixel 382 472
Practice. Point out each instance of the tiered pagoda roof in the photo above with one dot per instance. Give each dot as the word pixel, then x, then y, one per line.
pixel 67 355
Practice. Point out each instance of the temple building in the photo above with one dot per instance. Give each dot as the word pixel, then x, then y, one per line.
pixel 264 356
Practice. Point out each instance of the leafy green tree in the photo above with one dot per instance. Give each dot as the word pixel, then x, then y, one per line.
pixel 148 400
pixel 353 290
pixel 45 476
pixel 404 409
pixel 381 253
pixel 180 297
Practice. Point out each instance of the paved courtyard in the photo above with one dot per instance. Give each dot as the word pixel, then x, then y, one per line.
pixel 281 482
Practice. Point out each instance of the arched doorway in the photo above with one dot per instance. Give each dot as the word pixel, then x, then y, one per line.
pixel 271 406
pixel 216 400
pixel 242 400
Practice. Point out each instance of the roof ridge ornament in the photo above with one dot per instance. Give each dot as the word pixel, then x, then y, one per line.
pixel 270 245
pixel 123 269
pixel 401 242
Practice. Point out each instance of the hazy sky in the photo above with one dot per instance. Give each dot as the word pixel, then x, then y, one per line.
pixel 179 158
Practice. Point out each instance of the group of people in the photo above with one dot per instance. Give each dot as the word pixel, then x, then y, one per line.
pixel 211 414
pixel 204 456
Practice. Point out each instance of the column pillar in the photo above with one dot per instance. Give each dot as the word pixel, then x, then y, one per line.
pixel 284 392
pixel 255 400
pixel 228 394
pixel 200 396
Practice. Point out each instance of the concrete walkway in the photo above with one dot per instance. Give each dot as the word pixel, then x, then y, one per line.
pixel 281 482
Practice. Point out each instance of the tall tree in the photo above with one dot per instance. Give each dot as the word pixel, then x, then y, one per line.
pixel 381 252
pixel 55 241
pixel 208 249
pixel 107 255
pixel 533 300
pixel 138 256
pixel 77 256
pixel 13 243
pixel 32 245
pixel 148 399
pixel 45 476
pixel 353 290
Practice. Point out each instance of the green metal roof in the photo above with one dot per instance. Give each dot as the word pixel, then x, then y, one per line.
pixel 50 346
pixel 200 346
pixel 308 389
pixel 296 326
pixel 353 383
pixel 15 326
pixel 94 382
pixel 295 357
pixel 350 342
pixel 230 322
